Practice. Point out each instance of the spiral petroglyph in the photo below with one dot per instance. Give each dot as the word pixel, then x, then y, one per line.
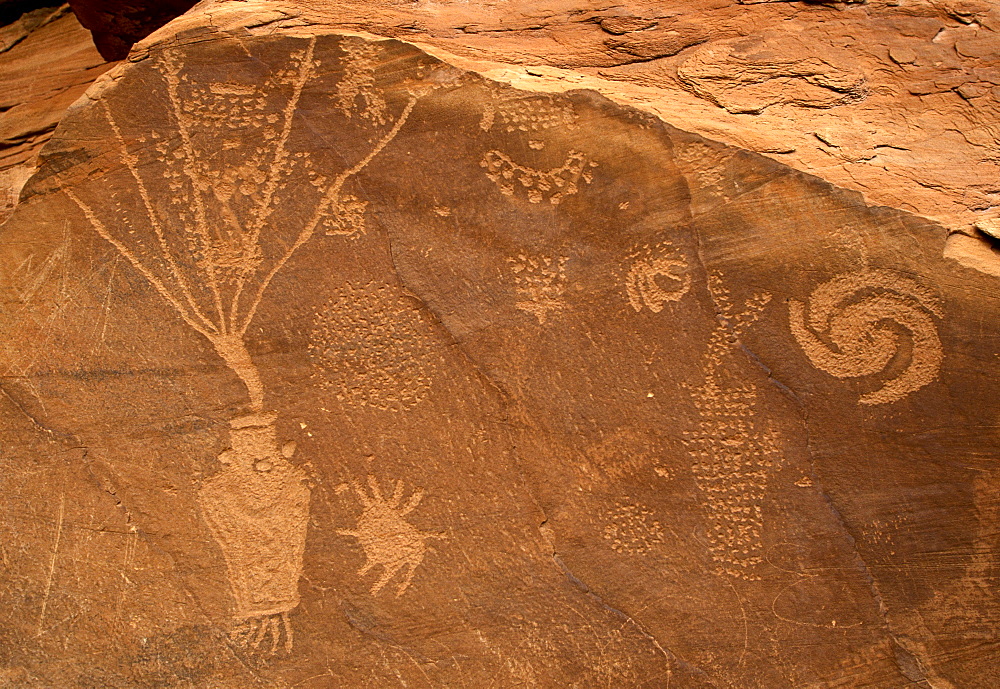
pixel 853 330
pixel 657 275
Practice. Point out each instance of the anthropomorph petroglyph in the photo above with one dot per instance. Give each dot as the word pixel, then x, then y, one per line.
pixel 211 251
pixel 257 507
pixel 388 540
pixel 538 185
pixel 373 346
pixel 732 448
pixel 852 330
pixel 541 283
pixel 656 275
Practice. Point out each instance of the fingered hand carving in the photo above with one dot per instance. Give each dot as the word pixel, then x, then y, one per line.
pixel 853 330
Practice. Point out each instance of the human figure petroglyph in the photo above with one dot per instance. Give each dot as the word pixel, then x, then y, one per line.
pixel 731 448
pixel 212 250
pixel 852 330
pixel 257 508
pixel 373 346
pixel 554 185
pixel 541 283
pixel 388 540
pixel 657 275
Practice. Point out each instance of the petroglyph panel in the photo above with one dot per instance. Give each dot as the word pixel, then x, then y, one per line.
pixel 373 346
pixel 852 330
pixel 326 363
pixel 210 244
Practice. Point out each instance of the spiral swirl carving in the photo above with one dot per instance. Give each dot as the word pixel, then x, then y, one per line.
pixel 854 326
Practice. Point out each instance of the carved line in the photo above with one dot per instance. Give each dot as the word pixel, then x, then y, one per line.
pixel 265 208
pixel 201 221
pixel 330 195
pixel 130 162
pixel 124 250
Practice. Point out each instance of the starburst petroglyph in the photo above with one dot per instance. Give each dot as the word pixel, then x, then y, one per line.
pixel 386 537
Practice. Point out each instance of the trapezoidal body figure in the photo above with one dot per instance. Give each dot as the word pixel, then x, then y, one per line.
pixel 243 199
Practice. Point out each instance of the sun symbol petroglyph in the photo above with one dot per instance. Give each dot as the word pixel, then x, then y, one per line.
pixel 388 540
pixel 852 330
pixel 541 282
pixel 656 275
pixel 554 185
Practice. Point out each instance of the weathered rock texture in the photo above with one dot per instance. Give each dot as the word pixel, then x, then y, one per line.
pixel 896 99
pixel 331 363
pixel 47 61
pixel 117 24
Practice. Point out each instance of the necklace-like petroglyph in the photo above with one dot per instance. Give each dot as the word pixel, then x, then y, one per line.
pixel 851 330
pixel 538 185
pixel 531 114
pixel 388 540
pixel 657 275
pixel 732 447
pixel 212 250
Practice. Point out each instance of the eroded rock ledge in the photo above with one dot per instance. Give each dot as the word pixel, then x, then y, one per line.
pixel 897 100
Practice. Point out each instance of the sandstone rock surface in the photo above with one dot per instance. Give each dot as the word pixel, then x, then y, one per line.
pixel 896 100
pixel 47 61
pixel 330 360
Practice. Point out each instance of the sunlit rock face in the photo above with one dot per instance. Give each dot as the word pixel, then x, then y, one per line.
pixel 328 362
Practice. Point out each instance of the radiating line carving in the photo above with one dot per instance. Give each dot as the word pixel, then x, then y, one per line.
pixel 213 248
pixel 389 541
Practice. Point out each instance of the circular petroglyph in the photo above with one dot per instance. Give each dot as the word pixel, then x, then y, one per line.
pixel 853 330
pixel 656 275
pixel 374 347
